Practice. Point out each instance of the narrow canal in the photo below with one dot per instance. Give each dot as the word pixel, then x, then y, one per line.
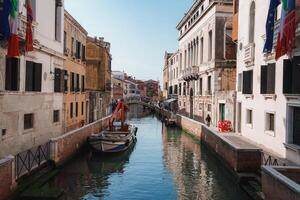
pixel 164 164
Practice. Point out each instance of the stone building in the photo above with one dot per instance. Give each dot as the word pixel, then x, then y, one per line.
pixel 166 72
pixel 31 111
pixel 173 75
pixel 152 90
pixel 118 88
pixel 98 78
pixel 207 66
pixel 74 69
pixel 268 105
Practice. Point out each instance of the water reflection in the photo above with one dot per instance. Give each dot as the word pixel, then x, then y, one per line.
pixel 197 174
pixel 164 164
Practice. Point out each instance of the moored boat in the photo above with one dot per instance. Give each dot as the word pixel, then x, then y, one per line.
pixel 116 138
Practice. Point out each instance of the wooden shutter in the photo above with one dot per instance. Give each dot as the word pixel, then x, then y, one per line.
pixel 296 75
pixel 72 81
pixel 83 53
pixel 8 74
pixel 62 80
pixel 263 79
pixel 77 82
pixel 247 82
pixel 82 83
pixel 287 76
pixel 271 78
pixel 37 82
pixel 29 76
pixel 57 79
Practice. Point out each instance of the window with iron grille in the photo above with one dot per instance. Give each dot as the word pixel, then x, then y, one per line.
pixel 28 121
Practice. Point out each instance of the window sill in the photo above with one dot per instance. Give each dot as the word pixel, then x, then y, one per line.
pixel 270 96
pixel 270 133
pixel 249 125
pixel 249 96
pixel 292 96
pixel 293 147
pixel 26 131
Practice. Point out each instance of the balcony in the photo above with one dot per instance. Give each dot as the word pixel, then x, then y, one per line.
pixel 22 29
pixel 249 54
pixel 191 73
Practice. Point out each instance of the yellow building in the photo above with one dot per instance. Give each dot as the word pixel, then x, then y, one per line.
pixel 98 82
pixel 75 72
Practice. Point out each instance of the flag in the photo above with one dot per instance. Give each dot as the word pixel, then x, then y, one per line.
pixel 270 26
pixel 5 6
pixel 287 32
pixel 13 42
pixel 29 42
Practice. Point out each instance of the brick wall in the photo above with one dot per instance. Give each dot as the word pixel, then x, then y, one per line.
pixel 7 177
pixel 65 146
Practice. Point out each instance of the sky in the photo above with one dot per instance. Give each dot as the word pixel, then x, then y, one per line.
pixel 140 31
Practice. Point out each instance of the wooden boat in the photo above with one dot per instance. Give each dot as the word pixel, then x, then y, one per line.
pixel 117 138
pixel 113 141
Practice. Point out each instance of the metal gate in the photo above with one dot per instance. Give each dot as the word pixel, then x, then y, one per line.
pixel 31 159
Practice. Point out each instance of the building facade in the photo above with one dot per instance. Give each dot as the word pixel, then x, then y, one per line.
pixel 207 66
pixel 98 78
pixel 74 73
pixel 31 112
pixel 166 71
pixel 268 101
pixel 173 75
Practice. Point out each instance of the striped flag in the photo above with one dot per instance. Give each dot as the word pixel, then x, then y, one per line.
pixel 13 42
pixel 29 42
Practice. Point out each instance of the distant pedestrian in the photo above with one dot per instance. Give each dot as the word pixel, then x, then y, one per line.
pixel 208 120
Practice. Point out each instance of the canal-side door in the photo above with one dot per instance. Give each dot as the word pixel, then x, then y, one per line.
pixel 296 126
pixel 191 103
pixel 239 117
pixel 221 111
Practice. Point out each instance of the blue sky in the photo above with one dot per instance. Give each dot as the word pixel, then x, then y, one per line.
pixel 139 30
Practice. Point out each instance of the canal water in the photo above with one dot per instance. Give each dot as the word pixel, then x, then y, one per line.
pixel 165 163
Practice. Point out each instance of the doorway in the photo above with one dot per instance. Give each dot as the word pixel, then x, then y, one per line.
pixel 191 103
pixel 222 111
pixel 239 117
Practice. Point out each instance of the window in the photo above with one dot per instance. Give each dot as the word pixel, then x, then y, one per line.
pixel 209 85
pixel 176 89
pixel 82 108
pixel 59 80
pixel 200 86
pixel 28 121
pixel 83 83
pixel 78 50
pixel 71 110
pixel 184 88
pixel 247 82
pixel 267 83
pixel 83 53
pixel 240 79
pixel 65 41
pixel 201 50
pixel 72 82
pixel 77 82
pixel 210 49
pixel 252 22
pixel 296 126
pixel 291 74
pixel 76 109
pixel 66 80
pixel 208 107
pixel 180 88
pixel 58 19
pixel 55 116
pixel 72 48
pixel 270 121
pixel 33 76
pixel 249 116
pixel 12 74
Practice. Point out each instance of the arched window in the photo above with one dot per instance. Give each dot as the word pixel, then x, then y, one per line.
pixel 252 22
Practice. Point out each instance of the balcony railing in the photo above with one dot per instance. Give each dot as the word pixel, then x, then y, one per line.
pixel 249 53
pixel 22 28
pixel 191 73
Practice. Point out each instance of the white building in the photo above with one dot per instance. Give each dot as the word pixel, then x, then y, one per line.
pixel 268 101
pixel 173 63
pixel 30 112
pixel 207 61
